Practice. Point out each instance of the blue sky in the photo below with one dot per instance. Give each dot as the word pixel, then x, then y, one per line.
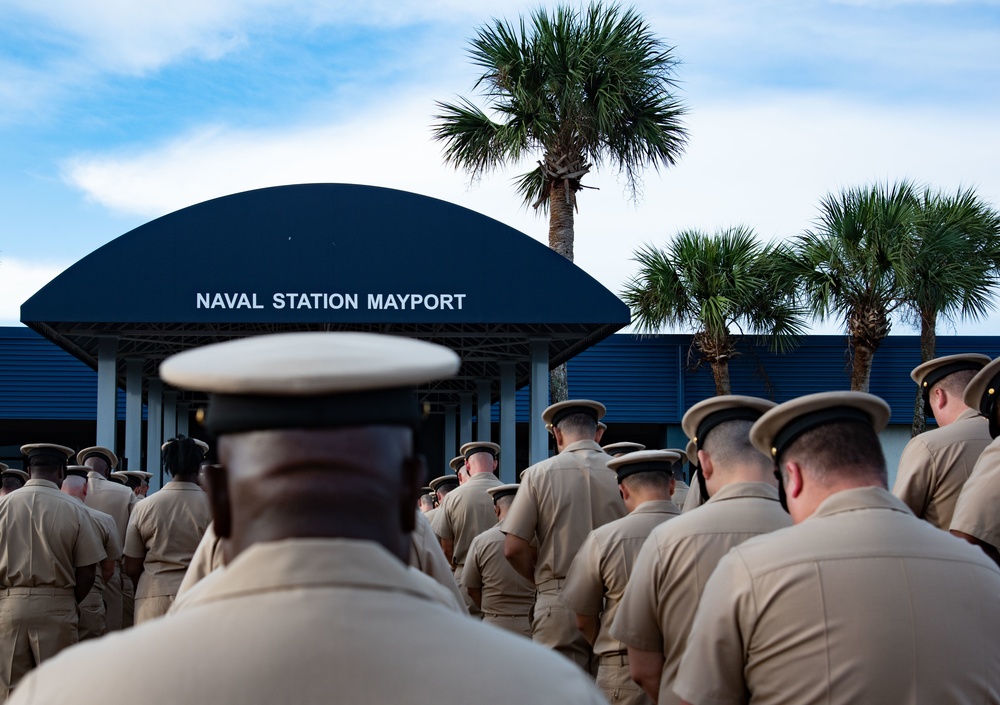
pixel 113 113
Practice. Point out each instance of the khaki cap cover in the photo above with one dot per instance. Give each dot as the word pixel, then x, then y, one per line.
pixel 200 444
pixel 702 410
pixel 16 473
pixel 32 449
pixel 478 446
pixel 623 447
pixel 119 477
pixel 105 453
pixel 922 373
pixel 457 463
pixel 77 470
pixel 692 452
pixel 565 407
pixel 772 423
pixel 502 491
pixel 644 461
pixel 140 475
pixel 437 482
pixel 981 392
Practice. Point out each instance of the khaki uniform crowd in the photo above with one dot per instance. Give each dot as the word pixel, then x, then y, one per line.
pixel 786 572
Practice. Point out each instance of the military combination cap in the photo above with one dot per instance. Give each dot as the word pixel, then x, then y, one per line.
pixel 470 449
pixel 502 491
pixel 3 467
pixel 109 457
pixel 557 412
pixel 457 463
pixel 310 380
pixel 928 374
pixel 982 391
pixel 140 475
pixel 119 477
pixel 623 448
pixel 444 482
pixel 14 472
pixel 77 470
pixel 34 450
pixel 780 426
pixel 701 418
pixel 644 461
pixel 602 426
pixel 200 444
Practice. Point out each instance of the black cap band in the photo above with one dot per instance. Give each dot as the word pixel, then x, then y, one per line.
pixel 99 454
pixel 236 413
pixel 740 413
pixel 572 410
pixel 807 422
pixel 503 493
pixel 665 466
pixel 480 449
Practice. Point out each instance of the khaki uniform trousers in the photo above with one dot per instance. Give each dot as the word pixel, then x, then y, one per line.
pixel 519 625
pixel 113 601
pixel 147 608
pixel 554 625
pixel 128 602
pixel 469 604
pixel 615 681
pixel 92 615
pixel 35 625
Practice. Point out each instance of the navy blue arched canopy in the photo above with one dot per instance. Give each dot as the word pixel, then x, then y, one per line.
pixel 328 257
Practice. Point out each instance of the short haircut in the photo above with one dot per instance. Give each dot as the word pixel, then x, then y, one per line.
pixel 956 382
pixel 12 482
pixel 578 425
pixel 729 445
pixel 653 480
pixel 844 449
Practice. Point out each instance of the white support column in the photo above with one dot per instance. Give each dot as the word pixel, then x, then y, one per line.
pixel 483 411
pixel 154 431
pixel 169 425
pixel 133 412
pixel 450 427
pixel 465 419
pixel 538 442
pixel 107 391
pixel 508 422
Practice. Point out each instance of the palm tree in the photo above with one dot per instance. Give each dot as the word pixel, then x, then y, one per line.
pixel 953 272
pixel 714 284
pixel 854 265
pixel 575 88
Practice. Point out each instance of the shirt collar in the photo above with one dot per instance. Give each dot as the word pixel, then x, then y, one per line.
pixel 858 498
pixel 583 445
pixel 41 483
pixel 657 506
pixel 735 490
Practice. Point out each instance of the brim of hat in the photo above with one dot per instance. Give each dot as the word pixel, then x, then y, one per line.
pixel 978 386
pixel 697 413
pixel 767 427
pixel 918 373
pixel 644 456
pixel 551 411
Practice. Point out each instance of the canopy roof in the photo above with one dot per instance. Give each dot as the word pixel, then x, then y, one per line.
pixel 328 257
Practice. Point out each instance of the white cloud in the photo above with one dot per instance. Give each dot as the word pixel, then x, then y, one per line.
pixel 21 280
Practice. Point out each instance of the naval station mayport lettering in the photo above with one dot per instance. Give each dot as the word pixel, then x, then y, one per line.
pixel 333 302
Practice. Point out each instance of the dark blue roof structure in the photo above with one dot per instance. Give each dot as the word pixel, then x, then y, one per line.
pixel 328 257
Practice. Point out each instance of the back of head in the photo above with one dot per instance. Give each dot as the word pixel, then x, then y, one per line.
pixel 181 457
pixel 732 453
pixel 11 483
pixel 578 427
pixel 845 452
pixel 651 485
pixel 75 486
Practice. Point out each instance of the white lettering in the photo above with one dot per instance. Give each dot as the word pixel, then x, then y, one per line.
pixel 446 302
pixel 203 300
pixel 244 302
pixel 217 302
pixel 375 301
pixel 415 299
pixel 352 301
pixel 460 297
pixel 390 302
pixel 304 301
pixel 278 301
pixel 403 298
pixel 427 302
pixel 255 304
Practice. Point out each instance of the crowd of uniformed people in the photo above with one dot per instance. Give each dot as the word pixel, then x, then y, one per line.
pixel 311 564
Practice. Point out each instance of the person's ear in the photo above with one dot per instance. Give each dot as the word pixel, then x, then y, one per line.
pixel 705 463
pixel 217 481
pixel 796 479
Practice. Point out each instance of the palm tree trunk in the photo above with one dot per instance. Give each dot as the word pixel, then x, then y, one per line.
pixel 861 371
pixel 561 241
pixel 928 345
pixel 561 219
pixel 720 371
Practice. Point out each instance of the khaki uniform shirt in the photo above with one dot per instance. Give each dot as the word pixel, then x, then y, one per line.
pixel 315 621
pixel 427 557
pixel 47 535
pixel 107 532
pixel 166 529
pixel 860 603
pixel 560 501
pixel 506 593
pixel 681 490
pixel 207 557
pixel 597 578
pixel 674 564
pixel 978 510
pixel 466 512
pixel 936 464
pixel 110 498
pixel 693 499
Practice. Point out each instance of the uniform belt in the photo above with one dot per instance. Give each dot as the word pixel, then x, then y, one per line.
pixel 550 585
pixel 494 615
pixel 619 658
pixel 52 591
